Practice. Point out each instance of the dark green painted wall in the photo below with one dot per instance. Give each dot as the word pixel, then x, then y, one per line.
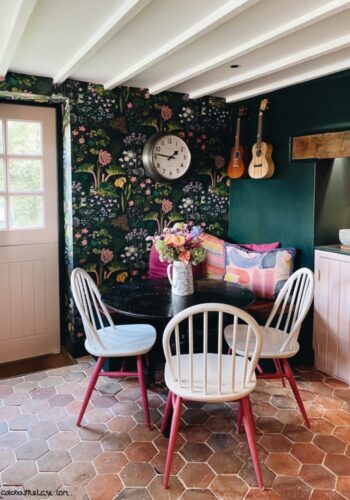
pixel 282 208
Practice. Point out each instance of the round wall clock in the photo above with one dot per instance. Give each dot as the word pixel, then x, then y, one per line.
pixel 166 157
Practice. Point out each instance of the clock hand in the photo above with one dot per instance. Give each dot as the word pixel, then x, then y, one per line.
pixel 172 157
pixel 165 156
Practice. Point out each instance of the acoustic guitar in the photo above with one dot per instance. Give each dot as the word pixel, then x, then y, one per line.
pixel 236 168
pixel 261 165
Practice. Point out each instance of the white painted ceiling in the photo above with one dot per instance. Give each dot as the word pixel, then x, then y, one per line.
pixel 178 45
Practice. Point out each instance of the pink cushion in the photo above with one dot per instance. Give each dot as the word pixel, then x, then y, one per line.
pixel 214 264
pixel 264 247
pixel 158 269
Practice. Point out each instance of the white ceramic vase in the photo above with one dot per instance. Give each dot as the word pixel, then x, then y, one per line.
pixel 182 279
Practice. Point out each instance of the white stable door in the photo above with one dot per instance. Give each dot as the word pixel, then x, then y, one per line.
pixel 29 283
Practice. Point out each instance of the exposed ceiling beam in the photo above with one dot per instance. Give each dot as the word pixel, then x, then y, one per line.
pixel 230 9
pixel 275 66
pixel 283 30
pixel 116 22
pixel 291 80
pixel 21 15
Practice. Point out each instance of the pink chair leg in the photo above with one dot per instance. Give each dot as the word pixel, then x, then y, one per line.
pixel 290 376
pixel 172 440
pixel 92 383
pixel 143 388
pixel 167 412
pixel 239 418
pixel 258 367
pixel 279 370
pixel 249 425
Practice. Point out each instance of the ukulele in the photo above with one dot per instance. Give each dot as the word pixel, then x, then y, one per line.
pixel 261 165
pixel 236 167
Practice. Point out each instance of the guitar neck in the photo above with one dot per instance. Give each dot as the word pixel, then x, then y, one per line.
pixel 260 128
pixel 238 133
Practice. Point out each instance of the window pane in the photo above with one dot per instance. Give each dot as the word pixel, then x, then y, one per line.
pixel 2 175
pixel 1 138
pixel 2 213
pixel 26 212
pixel 24 175
pixel 24 137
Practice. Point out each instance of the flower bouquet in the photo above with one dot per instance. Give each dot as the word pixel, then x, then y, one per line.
pixel 181 246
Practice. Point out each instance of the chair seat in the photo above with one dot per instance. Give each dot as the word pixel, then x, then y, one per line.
pixel 273 341
pixel 122 341
pixel 197 393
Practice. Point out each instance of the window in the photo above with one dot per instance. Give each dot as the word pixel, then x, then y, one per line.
pixel 21 175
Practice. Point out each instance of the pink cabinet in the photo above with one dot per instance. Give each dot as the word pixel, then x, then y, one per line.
pixel 331 339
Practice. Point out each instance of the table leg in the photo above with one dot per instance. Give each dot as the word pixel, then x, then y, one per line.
pixel 155 354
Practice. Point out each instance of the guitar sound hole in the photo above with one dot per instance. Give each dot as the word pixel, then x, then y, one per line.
pixel 258 153
pixel 236 155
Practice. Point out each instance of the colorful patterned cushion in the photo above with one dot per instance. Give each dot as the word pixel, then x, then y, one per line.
pixel 262 272
pixel 214 265
pixel 264 247
pixel 158 269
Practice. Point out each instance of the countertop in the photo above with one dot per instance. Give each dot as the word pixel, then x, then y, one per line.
pixel 333 248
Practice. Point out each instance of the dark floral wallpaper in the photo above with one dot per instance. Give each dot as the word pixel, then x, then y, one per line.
pixel 115 205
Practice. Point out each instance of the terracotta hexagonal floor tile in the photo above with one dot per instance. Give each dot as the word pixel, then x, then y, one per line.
pixel 257 494
pixel 7 457
pixel 121 423
pixel 337 463
pixel 141 433
pixel 98 415
pixel 85 451
pixel 125 408
pixel 44 481
pixel 137 474
pixel 92 432
pixel 291 488
pixel 317 476
pixel 338 417
pixel 61 400
pixel 298 433
pixel 19 473
pixel 247 473
pixel 129 394
pixel 104 401
pixel 329 402
pixel 63 440
pixel 275 443
pixel 104 487
pixel 222 442
pixel 196 452
pixel 110 462
pixel 158 462
pixel 325 495
pixel 11 440
pixel 16 399
pixel 307 453
pixel 263 409
pixel 54 461
pixel 268 424
pixel 243 452
pixel 174 491
pixel 195 416
pixel 140 452
pixel 289 417
pixel 134 494
pixel 115 441
pixel 112 387
pixel 31 450
pixel 42 430
pixel 343 486
pixel 77 473
pixel 69 423
pixel 283 464
pixel 196 433
pixel 197 494
pixel 229 487
pixel 22 422
pixel 343 394
pixel 43 393
pixel 342 432
pixel 329 444
pixel 225 463
pixel 161 442
pixel 321 426
pixel 3 428
pixel 52 414
pixel 196 475
pixel 283 402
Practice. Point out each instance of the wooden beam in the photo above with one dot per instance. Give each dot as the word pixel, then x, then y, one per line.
pixel 309 18
pixel 321 146
pixel 205 25
pixel 22 12
pixel 115 23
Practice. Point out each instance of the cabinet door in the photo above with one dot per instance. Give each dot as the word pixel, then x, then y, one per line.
pixel 332 314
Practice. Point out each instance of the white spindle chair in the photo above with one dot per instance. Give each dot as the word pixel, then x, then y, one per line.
pixel 111 341
pixel 210 376
pixel 281 331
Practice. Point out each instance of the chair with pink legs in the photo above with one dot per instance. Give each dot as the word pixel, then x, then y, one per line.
pixel 209 377
pixel 281 332
pixel 112 341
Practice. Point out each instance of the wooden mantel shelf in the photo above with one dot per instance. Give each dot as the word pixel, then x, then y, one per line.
pixel 319 146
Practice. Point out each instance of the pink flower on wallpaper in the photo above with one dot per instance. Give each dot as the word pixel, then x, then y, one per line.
pixel 77 235
pixel 203 147
pixel 106 255
pixel 166 112
pixel 167 206
pixel 148 181
pixel 75 132
pixel 2 78
pixel 104 157
pixel 131 203
pixel 142 185
pixel 133 179
pixel 147 95
pixel 85 231
pixel 148 192
pixel 129 105
pixel 219 161
pixel 81 140
pixel 84 242
pixel 82 128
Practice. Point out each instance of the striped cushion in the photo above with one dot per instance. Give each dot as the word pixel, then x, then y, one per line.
pixel 214 265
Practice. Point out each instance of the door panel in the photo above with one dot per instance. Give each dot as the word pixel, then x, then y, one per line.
pixel 29 279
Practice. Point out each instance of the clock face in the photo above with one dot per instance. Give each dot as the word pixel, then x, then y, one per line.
pixel 168 158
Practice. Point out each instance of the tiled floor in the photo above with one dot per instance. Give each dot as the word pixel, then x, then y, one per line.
pixel 114 456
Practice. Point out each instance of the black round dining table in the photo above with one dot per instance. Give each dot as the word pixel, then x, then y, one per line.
pixel 153 300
